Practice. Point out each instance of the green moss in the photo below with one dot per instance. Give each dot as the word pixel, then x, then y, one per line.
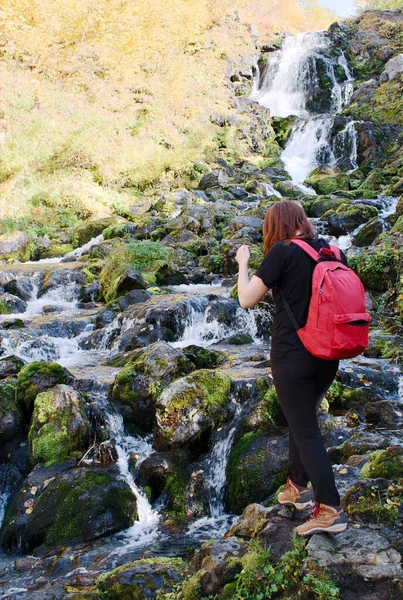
pixel 375 503
pixel 327 183
pixel 56 250
pixel 273 411
pixel 243 484
pixel 50 436
pixel 37 377
pixel 214 387
pixel 377 271
pixel 384 463
pixel 75 507
pixel 386 105
pixel 143 256
pixel 3 308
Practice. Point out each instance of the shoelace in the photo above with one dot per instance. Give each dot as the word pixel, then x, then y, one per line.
pixel 316 511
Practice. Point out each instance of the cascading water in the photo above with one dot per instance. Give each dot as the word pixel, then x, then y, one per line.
pixel 301 79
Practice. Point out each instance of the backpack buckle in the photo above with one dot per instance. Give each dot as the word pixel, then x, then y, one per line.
pixel 326 252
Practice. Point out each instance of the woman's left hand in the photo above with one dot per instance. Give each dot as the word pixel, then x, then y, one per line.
pixel 243 255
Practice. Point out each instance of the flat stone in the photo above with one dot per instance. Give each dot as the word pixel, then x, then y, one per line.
pixel 366 553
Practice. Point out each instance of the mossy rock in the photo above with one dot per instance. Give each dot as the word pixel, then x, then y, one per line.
pixel 325 180
pixel 386 463
pixel 36 377
pixel 143 579
pixel 10 366
pixel 256 468
pixel 11 414
pixel 316 207
pixel 86 231
pixel 377 270
pixel 74 505
pixel 203 358
pixel 283 128
pixel 190 408
pixel 374 500
pixel 59 427
pixel 347 217
pixel 56 250
pixel 368 233
pixel 145 374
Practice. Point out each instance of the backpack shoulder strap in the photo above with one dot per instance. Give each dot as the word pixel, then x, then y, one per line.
pixel 307 248
pixel 336 251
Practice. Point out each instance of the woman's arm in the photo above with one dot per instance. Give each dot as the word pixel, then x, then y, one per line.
pixel 249 292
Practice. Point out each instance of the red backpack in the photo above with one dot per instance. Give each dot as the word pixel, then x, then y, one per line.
pixel 338 324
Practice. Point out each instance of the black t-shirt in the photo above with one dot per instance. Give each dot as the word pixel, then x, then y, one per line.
pixel 287 268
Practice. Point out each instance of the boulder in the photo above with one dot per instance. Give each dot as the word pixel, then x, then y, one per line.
pixel 61 505
pixel 146 579
pixel 130 280
pixel 16 244
pixel 13 304
pixel 368 233
pixel 22 288
pixel 372 501
pixel 394 67
pixel 348 217
pixel 11 416
pixel 365 553
pixel 326 180
pixel 167 275
pixel 256 468
pixel 213 566
pixel 86 231
pixel 241 222
pixel 289 189
pixel 248 235
pixel 145 374
pixel 387 463
pixel 56 279
pixel 189 408
pixel 36 377
pixel 10 365
pixel 59 426
pixel 203 358
pixel 216 178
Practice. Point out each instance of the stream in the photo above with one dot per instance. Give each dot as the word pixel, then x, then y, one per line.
pixel 58 327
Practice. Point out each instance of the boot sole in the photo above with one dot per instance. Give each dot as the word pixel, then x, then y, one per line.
pixel 297 505
pixel 332 529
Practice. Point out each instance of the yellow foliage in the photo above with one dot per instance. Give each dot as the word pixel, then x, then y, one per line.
pixel 103 95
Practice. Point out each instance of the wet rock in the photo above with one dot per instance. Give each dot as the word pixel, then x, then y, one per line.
pixel 60 504
pixel 346 218
pixel 19 287
pixel 368 147
pixel 11 365
pixel 364 553
pixel 203 358
pixel 13 324
pixel 189 408
pixel 89 292
pixel 105 317
pixel 289 189
pixel 37 377
pixel 363 442
pixel 213 566
pixel 59 427
pixel 133 297
pixel 58 279
pixel 15 243
pixel 394 67
pixel 166 475
pixel 130 280
pixel 16 454
pixel 368 234
pixel 144 579
pixel 13 304
pixel 256 468
pixel 145 374
pixel 11 416
pixel 320 205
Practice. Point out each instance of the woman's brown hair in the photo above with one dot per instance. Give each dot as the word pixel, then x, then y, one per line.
pixel 282 222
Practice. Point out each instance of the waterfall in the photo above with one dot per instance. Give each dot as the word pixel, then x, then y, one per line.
pixel 295 82
pixel 145 529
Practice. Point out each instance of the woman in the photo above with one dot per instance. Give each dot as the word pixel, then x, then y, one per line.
pixel 301 380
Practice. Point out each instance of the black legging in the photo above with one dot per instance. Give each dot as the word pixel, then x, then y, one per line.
pixel 301 386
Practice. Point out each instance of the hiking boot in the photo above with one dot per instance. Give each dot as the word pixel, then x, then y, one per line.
pixel 292 496
pixel 323 518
